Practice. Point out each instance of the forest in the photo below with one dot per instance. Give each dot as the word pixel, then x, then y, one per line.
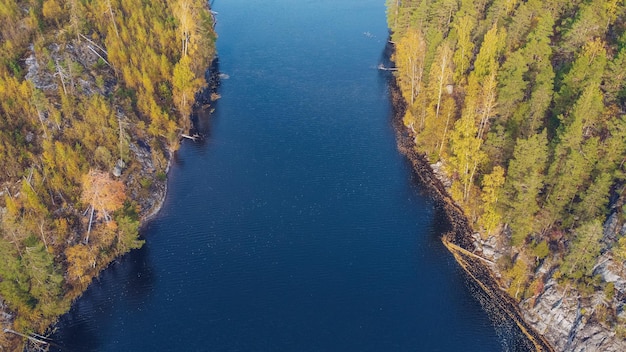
pixel 523 105
pixel 95 95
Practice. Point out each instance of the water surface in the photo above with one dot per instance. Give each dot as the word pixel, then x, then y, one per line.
pixel 296 225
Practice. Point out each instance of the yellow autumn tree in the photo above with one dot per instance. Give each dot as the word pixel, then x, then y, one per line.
pixel 186 84
pixel 492 184
pixel 440 109
pixel 184 12
pixel 409 57
pixel 103 194
pixel 81 263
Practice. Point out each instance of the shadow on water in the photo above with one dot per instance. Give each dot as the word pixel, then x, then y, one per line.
pixel 206 101
pixel 130 277
pixel 509 333
pixel 511 336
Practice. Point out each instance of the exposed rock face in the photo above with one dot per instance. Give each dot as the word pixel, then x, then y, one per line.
pixel 5 317
pixel 569 321
pixel 6 321
pixel 611 229
pixel 440 174
pixel 566 320
pixel 150 204
pixel 81 53
pixel 560 314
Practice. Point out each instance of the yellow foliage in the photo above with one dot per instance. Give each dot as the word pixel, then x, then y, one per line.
pixel 492 184
pixel 102 192
pixel 409 57
pixel 81 263
pixel 518 277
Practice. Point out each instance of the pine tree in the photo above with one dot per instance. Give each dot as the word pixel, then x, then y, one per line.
pixel 583 251
pixel 524 182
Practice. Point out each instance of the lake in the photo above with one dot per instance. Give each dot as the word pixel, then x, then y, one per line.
pixel 296 225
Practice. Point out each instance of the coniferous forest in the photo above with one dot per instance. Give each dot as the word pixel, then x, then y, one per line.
pixel 95 95
pixel 522 106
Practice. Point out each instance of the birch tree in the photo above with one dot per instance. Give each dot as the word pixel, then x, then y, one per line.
pixel 409 57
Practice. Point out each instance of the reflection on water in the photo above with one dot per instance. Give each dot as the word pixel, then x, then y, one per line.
pixel 130 279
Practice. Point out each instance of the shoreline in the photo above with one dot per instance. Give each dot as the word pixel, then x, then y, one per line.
pixel 201 101
pixel 458 240
pixel 156 197
pixel 159 199
pixel 106 130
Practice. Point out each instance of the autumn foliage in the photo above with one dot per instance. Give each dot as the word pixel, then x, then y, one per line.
pixel 531 125
pixel 103 194
pixel 82 84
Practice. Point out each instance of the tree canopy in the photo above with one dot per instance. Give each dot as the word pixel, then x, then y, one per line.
pixel 86 86
pixel 531 126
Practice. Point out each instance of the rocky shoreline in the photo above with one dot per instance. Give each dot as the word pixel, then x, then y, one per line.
pixel 152 204
pixel 458 238
pixel 505 134
pixel 149 199
pixel 557 319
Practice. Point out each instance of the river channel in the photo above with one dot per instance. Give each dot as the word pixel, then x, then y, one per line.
pixel 296 225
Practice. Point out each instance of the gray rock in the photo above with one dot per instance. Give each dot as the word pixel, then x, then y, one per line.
pixel 563 317
pixel 611 229
pixel 120 165
pixel 611 271
pixel 440 174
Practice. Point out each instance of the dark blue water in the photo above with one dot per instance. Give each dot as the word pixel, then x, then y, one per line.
pixel 296 226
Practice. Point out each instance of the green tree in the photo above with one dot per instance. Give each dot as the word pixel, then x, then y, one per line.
pixel 45 280
pixel 591 21
pixel 511 84
pixel 586 70
pixel 482 82
pixel 128 230
pixel 14 286
pixel 574 158
pixel 614 86
pixel 584 251
pixel 523 185
pixel 464 47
